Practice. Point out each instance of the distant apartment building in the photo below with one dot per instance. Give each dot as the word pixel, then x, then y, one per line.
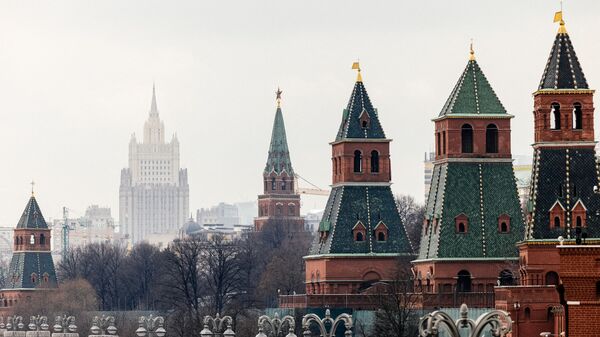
pixel 6 243
pixel 427 172
pixel 223 214
pixel 97 225
pixel 312 220
pixel 522 166
pixel 154 192
pixel 208 231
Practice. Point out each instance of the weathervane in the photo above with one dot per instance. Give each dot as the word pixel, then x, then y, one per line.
pixel 278 97
pixel 471 52
pixel 356 65
pixel 32 186
pixel 558 17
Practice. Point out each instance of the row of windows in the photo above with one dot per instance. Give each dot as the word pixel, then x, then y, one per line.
pixel 577 118
pixel 284 184
pixel 19 240
pixel 461 222
pixel 466 136
pixel 264 211
pixel 358 162
pixel 155 161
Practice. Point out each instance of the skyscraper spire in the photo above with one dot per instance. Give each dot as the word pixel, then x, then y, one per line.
pixel 153 106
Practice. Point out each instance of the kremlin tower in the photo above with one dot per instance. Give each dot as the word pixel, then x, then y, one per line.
pixel 279 204
pixel 473 217
pixel 31 268
pixel 361 236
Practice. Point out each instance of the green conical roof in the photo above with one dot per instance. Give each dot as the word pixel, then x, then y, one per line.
pixel 358 107
pixel 472 95
pixel 32 216
pixel 279 154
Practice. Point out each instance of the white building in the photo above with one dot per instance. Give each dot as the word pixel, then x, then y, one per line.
pixel 6 243
pixel 222 214
pixel 312 220
pixel 154 192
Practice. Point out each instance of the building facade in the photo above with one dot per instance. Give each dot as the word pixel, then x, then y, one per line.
pixel 31 268
pixel 279 204
pixel 222 214
pixel 473 217
pixel 361 237
pixel 428 172
pixel 154 192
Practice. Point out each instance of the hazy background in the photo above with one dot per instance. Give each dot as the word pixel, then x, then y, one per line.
pixel 76 79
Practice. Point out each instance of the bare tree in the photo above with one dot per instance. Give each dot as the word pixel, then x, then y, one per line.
pixel 412 215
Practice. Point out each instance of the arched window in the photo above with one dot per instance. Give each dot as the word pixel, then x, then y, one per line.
pixel 32 239
pixel 45 277
pixel 16 240
pixel 33 277
pixel 365 124
pixel 555 116
pixel 283 185
pixel 444 142
pixel 556 222
pixel 597 289
pixel 503 227
pixel 273 184
pixel 491 139
pixel 359 236
pixel 527 313
pixel 466 135
pixel 374 161
pixel 577 117
pixel 42 239
pixel 506 278
pixel 438 142
pixel 20 240
pixel 463 282
pixel 551 278
pixel 461 227
pixel 291 210
pixel 278 210
pixel 578 221
pixel 357 161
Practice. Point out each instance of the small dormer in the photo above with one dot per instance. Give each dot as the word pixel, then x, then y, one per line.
pixel 579 214
pixel 359 232
pixel 557 215
pixel 504 223
pixel 381 232
pixel 462 223
pixel 364 119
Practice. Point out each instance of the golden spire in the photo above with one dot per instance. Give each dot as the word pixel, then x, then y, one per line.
pixel 356 65
pixel 278 97
pixel 471 52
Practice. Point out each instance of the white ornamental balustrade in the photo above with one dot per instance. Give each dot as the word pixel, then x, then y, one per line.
pixel 64 326
pixel 103 326
pixel 274 326
pixel 14 327
pixel 2 326
pixel 327 326
pixel 496 323
pixel 150 326
pixel 38 327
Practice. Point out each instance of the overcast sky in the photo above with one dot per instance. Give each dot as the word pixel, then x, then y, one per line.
pixel 76 80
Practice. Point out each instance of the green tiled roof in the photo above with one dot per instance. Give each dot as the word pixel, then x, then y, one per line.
pixel 482 192
pixel 563 70
pixel 279 154
pixel 32 216
pixel 555 181
pixel 358 105
pixel 472 94
pixel 24 264
pixel 368 204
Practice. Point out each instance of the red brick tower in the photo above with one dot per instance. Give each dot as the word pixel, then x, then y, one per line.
pixel 31 267
pixel 279 204
pixel 361 235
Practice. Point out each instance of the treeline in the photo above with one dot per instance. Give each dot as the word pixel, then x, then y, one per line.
pixel 194 276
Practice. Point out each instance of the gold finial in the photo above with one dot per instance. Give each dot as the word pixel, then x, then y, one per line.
pixel 356 65
pixel 32 186
pixel 278 97
pixel 471 52
pixel 558 17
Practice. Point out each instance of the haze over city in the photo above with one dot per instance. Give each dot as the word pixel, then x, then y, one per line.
pixel 76 81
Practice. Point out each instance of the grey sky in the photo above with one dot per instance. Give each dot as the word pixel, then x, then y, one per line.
pixel 76 80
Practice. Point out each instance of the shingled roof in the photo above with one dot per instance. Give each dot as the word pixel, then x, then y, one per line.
pixel 32 216
pixel 563 70
pixel 279 154
pixel 358 105
pixel 472 94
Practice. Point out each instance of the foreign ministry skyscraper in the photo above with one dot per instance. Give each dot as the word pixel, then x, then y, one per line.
pixel 154 192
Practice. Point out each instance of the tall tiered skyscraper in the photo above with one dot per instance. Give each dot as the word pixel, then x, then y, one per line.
pixel 31 267
pixel 361 235
pixel 279 204
pixel 154 192
pixel 473 218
